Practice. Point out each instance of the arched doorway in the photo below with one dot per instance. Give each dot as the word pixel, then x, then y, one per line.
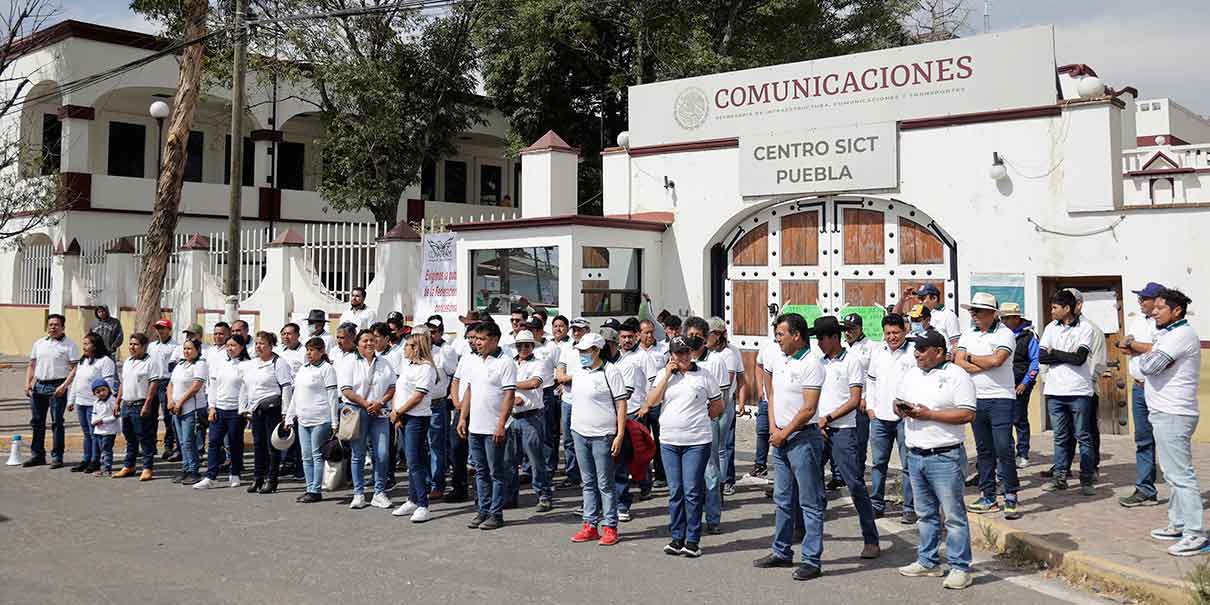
pixel 827 256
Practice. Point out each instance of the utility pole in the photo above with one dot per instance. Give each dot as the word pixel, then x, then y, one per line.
pixel 240 65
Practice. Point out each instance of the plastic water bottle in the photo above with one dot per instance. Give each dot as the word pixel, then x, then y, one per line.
pixel 14 456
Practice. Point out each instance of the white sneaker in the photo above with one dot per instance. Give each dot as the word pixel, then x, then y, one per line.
pixel 1189 546
pixel 958 579
pixel 359 501
pixel 381 500
pixel 1022 462
pixel 205 483
pixel 421 515
pixel 405 509
pixel 232 480
pixel 916 570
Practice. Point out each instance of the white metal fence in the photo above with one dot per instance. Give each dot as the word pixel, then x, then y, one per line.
pixel 343 254
pixel 92 265
pixel 441 224
pixel 252 258
pixel 172 271
pixel 33 275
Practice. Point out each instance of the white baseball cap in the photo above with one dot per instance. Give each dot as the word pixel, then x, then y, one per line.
pixel 590 340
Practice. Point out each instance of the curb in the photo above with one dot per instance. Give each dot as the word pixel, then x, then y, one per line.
pixel 1080 566
pixel 74 442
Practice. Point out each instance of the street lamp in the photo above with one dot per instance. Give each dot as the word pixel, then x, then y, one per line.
pixel 159 110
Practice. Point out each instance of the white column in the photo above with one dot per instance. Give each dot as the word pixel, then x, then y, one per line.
pixel 397 274
pixel 549 178
pixel 262 164
pixel 189 292
pixel 75 145
pixel 121 286
pixel 64 270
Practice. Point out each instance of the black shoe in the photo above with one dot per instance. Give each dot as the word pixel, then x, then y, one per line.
pixel 1137 499
pixel 456 497
pixel 834 484
pixel 760 470
pixel 525 479
pixel 544 504
pixel 659 484
pixel 256 485
pixel 674 547
pixel 310 497
pixel 714 530
pixel 56 464
pixel 807 572
pixel 92 468
pixel 269 487
pixel 179 478
pixel 79 468
pixel 491 523
pixel 175 457
pixel 167 454
pixel 878 514
pixel 477 521
pixel 645 493
pixel 691 550
pixel 771 561
pixel 1047 473
pixel 909 518
pixel 567 484
pixel 191 478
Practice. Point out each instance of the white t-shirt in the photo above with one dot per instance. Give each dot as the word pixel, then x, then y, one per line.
pixel 768 358
pixel 1174 390
pixel 336 356
pixel 226 383
pixel 314 395
pixel 183 376
pixel 415 377
pixel 137 375
pixel 633 364
pixel 684 413
pixel 841 373
pixel 369 379
pixel 446 361
pixel 462 373
pixel 363 317
pixel 296 357
pixel 53 358
pixel 658 354
pixel 88 371
pixel 394 356
pixel 998 382
pixel 105 417
pixel 548 355
pixel 944 387
pixel 946 323
pixel 1064 378
pixel 264 380
pixel 594 396
pixel 1142 328
pixel 717 367
pixel 729 358
pixel 164 352
pixel 530 399
pixel 569 358
pixel 796 373
pixel 887 369
pixel 863 350
pixel 491 378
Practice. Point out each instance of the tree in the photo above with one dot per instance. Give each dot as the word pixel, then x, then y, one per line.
pixel 567 64
pixel 160 230
pixel 932 20
pixel 31 193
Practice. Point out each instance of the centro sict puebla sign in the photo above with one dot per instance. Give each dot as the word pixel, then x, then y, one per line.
pixel 846 158
pixel 778 103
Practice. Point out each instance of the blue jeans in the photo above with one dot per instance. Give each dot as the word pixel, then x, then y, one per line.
pixel 1144 444
pixel 762 434
pixel 796 472
pixel 439 445
pixel 525 440
pixel 994 449
pixel 1071 415
pixel 1021 421
pixel 885 434
pixel 416 451
pixel 552 413
pixel 597 472
pixel 726 446
pixel 84 414
pixel 845 444
pixel 1173 448
pixel 685 468
pixel 937 482
pixel 186 425
pixel 103 446
pixel 863 439
pixel 571 467
pixel 378 430
pixel 714 476
pixel 311 439
pixel 139 431
pixel 491 474
pixel 42 401
pixel 227 423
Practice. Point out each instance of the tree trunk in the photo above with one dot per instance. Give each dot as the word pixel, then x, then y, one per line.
pixel 161 229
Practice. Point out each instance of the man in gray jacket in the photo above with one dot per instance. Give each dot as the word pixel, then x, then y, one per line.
pixel 109 329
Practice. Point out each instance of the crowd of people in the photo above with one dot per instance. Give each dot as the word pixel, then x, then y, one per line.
pixel 636 405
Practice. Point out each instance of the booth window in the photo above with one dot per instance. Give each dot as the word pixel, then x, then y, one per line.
pixel 455 181
pixel 612 282
pixel 127 145
pixel 505 277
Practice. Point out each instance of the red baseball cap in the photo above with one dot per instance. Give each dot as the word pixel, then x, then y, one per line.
pixel 164 323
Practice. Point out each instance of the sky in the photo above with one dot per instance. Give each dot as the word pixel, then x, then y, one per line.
pixel 1157 47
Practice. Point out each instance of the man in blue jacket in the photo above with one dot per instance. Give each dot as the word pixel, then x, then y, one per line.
pixel 1025 373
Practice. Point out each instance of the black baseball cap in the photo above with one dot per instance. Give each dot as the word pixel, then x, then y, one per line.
pixel 395 315
pixel 680 344
pixel 852 320
pixel 929 339
pixel 535 324
pixel 612 323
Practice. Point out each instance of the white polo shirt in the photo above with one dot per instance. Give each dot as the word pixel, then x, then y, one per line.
pixel 296 357
pixel 530 399
pixel 684 413
pixel 944 387
pixel 53 358
pixel 998 382
pixel 446 362
pixel 1142 328
pixel 633 364
pixel 946 323
pixel 729 358
pixel 369 379
pixel 165 353
pixel 797 373
pixel 462 373
pixel 1174 390
pixel 336 356
pixel 415 378
pixel 314 389
pixel 569 358
pixel 226 382
pixel 862 350
pixel 137 374
pixel 184 375
pixel 264 380
pixel 490 379
pixel 841 373
pixel 547 355
pixel 87 372
pixel 769 357
pixel 658 354
pixel 363 317
pixel 329 340
pixel 716 367
pixel 594 396
pixel 887 369
pixel 1066 379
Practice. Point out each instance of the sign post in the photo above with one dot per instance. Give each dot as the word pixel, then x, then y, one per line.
pixel 438 288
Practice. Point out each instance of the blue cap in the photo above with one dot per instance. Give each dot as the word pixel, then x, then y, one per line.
pixel 1151 290
pixel 100 382
pixel 928 290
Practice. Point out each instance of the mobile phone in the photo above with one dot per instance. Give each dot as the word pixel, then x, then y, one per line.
pixel 903 405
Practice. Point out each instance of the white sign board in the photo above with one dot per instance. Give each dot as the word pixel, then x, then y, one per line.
pixel 438 288
pixel 848 158
pixel 967 75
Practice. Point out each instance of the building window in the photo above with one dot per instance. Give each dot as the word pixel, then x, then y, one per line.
pixel 515 276
pixel 455 181
pixel 291 166
pixel 428 180
pixel 52 143
pixel 248 162
pixel 127 149
pixel 193 157
pixel 612 281
pixel 516 184
pixel 490 186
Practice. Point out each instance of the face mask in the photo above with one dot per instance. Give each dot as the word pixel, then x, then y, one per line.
pixel 586 360
pixel 917 327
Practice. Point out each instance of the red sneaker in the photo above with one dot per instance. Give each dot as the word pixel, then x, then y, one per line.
pixel 587 533
pixel 609 536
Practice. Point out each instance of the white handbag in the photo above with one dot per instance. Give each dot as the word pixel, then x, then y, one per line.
pixel 336 475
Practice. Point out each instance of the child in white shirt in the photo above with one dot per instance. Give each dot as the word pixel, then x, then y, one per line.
pixel 105 425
